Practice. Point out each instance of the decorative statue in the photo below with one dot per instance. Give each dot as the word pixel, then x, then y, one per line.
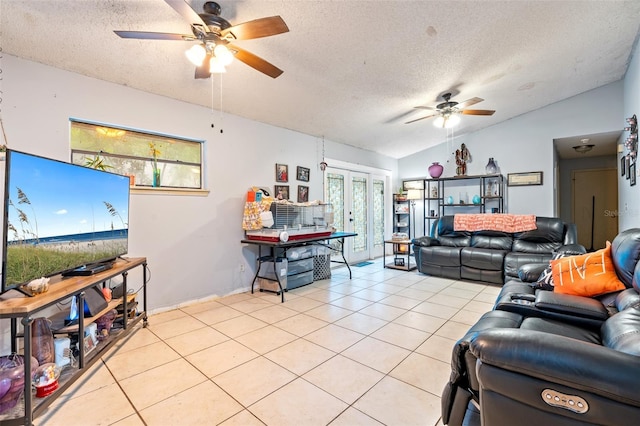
pixel 462 157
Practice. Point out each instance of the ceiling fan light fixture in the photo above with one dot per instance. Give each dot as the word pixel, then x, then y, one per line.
pixel 446 120
pixel 223 54
pixel 216 66
pixel 454 120
pixel 196 54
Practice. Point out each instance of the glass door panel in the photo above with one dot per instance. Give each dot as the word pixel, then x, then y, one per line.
pixel 378 215
pixel 358 204
pixel 358 217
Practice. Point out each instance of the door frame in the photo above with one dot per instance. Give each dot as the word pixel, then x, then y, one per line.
pixel 612 216
pixel 373 173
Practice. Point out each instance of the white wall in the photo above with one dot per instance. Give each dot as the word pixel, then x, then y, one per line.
pixel 192 243
pixel 525 144
pixel 629 196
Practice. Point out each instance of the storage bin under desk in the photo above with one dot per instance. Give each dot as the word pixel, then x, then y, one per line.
pixel 292 274
pixel 299 266
pixel 300 272
pixel 298 280
pixel 267 277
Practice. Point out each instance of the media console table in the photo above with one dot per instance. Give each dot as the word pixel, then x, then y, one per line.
pixel 26 308
pixel 275 246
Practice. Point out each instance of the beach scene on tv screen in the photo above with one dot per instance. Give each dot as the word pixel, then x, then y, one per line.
pixel 61 216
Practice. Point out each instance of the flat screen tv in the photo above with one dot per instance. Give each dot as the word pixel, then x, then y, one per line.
pixel 59 217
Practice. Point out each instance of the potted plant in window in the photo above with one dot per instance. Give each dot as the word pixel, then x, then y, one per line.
pixel 97 163
pixel 156 171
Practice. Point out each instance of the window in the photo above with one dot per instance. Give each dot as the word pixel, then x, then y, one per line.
pixel 378 212
pixel 177 161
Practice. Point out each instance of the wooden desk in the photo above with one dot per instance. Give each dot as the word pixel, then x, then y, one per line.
pixel 274 246
pixel 14 306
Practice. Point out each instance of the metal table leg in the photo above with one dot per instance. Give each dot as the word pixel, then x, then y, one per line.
pixel 255 277
pixel 28 400
pixel 344 258
pixel 275 272
pixel 145 318
pixel 125 308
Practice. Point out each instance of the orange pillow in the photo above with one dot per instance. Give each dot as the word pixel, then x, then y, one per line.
pixel 588 274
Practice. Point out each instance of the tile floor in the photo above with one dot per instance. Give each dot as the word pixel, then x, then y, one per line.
pixel 372 350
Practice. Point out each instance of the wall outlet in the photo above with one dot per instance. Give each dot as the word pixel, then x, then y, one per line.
pixel 242 267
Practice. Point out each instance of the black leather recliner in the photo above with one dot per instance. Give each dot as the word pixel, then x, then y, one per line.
pixel 490 256
pixel 561 360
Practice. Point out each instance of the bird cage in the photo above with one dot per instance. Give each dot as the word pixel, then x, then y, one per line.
pixel 294 221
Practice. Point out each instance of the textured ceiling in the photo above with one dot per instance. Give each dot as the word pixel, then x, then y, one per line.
pixel 353 70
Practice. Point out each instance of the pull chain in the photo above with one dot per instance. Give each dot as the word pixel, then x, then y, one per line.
pixel 212 100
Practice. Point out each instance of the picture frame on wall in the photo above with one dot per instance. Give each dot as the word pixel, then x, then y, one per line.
pixel 281 192
pixel 303 173
pixel 303 194
pixel 632 172
pixel 413 184
pixel 628 166
pixel 524 179
pixel 282 173
pixel 623 163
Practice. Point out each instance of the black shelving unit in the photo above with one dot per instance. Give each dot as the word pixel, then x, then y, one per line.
pixel 489 189
pixel 432 203
pixel 401 214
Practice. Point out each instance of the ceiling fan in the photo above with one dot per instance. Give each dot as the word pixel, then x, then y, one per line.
pixel 215 35
pixel 447 112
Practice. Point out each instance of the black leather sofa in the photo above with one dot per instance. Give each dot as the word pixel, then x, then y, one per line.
pixel 553 359
pixel 490 256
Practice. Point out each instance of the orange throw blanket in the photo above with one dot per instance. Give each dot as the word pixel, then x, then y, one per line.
pixel 503 222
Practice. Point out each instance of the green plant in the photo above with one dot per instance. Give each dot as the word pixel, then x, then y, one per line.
pixel 156 171
pixel 26 227
pixel 154 153
pixel 97 163
pixel 113 212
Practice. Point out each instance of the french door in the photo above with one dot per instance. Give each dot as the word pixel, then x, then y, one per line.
pixel 358 201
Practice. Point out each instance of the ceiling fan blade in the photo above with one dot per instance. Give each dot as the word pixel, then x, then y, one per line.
pixel 183 8
pixel 477 111
pixel 203 70
pixel 426 107
pixel 146 35
pixel 263 27
pixel 256 62
pixel 469 102
pixel 421 118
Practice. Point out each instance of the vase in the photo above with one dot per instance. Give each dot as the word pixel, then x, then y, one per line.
pixel 435 170
pixel 491 167
pixel 156 177
pixel 449 200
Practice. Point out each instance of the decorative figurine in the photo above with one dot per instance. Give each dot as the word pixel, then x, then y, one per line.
pixel 463 156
